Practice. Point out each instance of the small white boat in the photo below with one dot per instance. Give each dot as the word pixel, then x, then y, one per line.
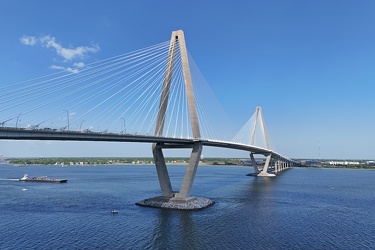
pixel 114 211
pixel 24 189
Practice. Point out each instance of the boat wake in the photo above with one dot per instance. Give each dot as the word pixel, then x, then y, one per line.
pixel 2 179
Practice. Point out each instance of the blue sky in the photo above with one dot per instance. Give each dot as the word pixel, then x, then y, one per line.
pixel 309 64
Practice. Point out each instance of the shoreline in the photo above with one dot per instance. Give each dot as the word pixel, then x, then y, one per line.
pixel 117 164
pixel 175 164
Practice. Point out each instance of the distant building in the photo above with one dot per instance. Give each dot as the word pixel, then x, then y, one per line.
pixel 343 163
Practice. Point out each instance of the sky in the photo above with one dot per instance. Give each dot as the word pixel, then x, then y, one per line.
pixel 309 64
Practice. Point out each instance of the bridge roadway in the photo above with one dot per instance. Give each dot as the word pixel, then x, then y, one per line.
pixel 11 133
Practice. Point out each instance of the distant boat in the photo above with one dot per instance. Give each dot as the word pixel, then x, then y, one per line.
pixel 114 211
pixel 42 179
pixel 24 189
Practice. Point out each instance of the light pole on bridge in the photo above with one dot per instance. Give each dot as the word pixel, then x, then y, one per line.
pixel 80 126
pixel 67 115
pixel 17 120
pixel 124 125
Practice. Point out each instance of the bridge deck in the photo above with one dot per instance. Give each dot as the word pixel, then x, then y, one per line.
pixel 10 133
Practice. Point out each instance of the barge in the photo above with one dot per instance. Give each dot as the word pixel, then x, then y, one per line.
pixel 42 179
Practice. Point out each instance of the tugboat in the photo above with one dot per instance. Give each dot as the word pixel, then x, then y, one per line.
pixel 42 179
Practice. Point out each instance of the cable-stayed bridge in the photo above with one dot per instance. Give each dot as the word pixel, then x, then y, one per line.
pixel 153 95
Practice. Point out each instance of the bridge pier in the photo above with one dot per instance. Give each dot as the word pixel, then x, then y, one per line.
pixel 264 171
pixel 171 199
pixel 280 164
pixel 277 162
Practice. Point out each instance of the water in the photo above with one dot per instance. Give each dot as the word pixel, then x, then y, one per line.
pixel 300 209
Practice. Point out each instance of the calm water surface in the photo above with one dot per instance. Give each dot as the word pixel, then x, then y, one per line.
pixel 299 209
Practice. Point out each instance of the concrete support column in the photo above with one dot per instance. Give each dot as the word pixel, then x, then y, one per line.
pixel 162 171
pixel 277 166
pixel 265 168
pixel 191 170
pixel 254 163
pixel 276 163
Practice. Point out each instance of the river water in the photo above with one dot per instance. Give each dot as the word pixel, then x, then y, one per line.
pixel 299 209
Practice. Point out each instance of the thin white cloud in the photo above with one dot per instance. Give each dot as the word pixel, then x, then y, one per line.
pixel 79 65
pixel 67 53
pixel 68 69
pixel 72 70
pixel 57 67
pixel 28 40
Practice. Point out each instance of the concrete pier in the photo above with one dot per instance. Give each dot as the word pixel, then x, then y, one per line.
pixel 190 203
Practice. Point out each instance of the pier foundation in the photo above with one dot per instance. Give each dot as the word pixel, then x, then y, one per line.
pixel 190 203
pixel 182 199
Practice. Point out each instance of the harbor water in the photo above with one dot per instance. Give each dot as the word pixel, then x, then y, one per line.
pixel 302 208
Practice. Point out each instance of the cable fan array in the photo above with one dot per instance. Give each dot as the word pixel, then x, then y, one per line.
pixel 116 95
pixel 252 133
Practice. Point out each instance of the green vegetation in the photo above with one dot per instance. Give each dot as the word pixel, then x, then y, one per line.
pixel 170 160
pixel 114 160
